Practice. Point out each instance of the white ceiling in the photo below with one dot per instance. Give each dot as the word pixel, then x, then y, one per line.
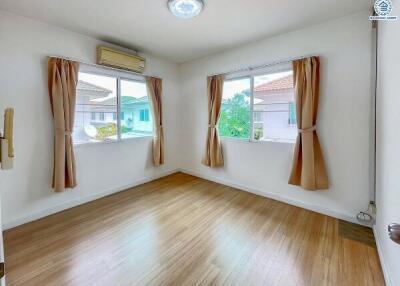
pixel 148 26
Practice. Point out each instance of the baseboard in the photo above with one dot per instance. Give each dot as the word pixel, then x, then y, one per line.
pixel 49 211
pixel 385 269
pixel 277 197
pixel 61 207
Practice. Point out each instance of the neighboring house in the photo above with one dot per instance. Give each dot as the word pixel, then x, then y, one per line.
pixel 135 113
pixel 86 96
pixel 274 110
pixel 95 109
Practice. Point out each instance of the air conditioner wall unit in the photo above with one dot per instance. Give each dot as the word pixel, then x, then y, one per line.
pixel 121 60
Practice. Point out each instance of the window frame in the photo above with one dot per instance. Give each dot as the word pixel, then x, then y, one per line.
pixel 229 78
pixel 119 75
pixel 251 74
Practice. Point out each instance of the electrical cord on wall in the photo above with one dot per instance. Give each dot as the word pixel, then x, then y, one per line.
pixel 368 216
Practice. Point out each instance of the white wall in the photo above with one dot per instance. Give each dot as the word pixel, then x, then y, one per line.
pixel 25 190
pixel 344 117
pixel 344 47
pixel 388 142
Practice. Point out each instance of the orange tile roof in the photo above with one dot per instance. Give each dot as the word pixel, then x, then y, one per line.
pixel 276 84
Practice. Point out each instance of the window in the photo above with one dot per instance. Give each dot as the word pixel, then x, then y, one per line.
pixel 134 100
pixel 144 115
pixel 102 117
pixel 273 97
pixel 101 95
pixel 259 107
pixel 235 109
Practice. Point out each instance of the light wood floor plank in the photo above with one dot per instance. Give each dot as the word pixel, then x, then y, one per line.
pixel 182 230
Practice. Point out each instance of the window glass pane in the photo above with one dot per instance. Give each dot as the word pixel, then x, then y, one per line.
pixel 274 107
pixel 235 109
pixel 96 102
pixel 135 122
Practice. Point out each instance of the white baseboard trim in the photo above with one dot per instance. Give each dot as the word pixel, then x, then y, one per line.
pixel 385 269
pixel 277 197
pixel 49 211
pixel 70 204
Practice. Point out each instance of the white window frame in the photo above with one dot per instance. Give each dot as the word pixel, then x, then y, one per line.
pixel 251 74
pixel 119 75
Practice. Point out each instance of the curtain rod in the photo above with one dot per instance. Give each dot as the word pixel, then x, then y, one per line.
pixel 256 67
pixel 101 66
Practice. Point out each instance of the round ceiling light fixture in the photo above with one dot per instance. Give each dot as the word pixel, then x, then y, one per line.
pixel 185 9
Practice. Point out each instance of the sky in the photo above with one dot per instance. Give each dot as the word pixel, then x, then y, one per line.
pixel 235 86
pixel 128 88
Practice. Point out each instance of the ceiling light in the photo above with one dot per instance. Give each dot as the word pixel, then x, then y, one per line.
pixel 185 9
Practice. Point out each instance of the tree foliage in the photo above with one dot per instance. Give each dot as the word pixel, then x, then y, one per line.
pixel 106 131
pixel 235 116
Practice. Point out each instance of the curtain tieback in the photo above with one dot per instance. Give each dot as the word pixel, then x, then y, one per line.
pixel 66 132
pixel 159 128
pixel 308 130
pixel 211 125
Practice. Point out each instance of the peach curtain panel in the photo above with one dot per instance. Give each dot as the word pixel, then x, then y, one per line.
pixel 213 156
pixel 154 88
pixel 308 170
pixel 62 81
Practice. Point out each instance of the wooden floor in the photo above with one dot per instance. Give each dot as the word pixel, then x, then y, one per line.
pixel 182 230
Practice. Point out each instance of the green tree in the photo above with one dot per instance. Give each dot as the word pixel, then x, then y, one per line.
pixel 235 116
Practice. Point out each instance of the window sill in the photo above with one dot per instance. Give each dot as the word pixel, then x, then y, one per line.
pixel 241 140
pixel 275 141
pixel 88 144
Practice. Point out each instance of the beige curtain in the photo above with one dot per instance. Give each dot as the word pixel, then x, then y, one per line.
pixel 62 81
pixel 213 156
pixel 154 87
pixel 308 170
